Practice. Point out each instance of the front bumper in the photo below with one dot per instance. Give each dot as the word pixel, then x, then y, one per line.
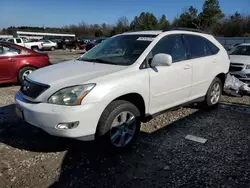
pixel 47 116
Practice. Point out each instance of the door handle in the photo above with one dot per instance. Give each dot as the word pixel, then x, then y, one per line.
pixel 11 59
pixel 214 61
pixel 187 67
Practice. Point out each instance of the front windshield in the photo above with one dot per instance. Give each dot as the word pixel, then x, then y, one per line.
pixel 241 50
pixel 119 50
pixel 99 41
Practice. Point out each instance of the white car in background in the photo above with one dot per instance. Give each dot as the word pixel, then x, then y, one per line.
pixel 49 45
pixel 127 79
pixel 240 62
pixel 31 45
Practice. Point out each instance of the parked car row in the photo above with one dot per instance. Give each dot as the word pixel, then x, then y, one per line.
pixel 52 44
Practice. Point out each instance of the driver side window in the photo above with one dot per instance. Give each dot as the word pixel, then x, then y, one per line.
pixel 172 45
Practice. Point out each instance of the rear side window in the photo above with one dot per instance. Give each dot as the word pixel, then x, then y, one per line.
pixel 46 42
pixel 197 46
pixel 18 41
pixel 212 47
pixel 9 50
pixel 172 45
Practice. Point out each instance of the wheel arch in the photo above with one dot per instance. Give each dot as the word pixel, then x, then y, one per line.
pixel 136 99
pixel 222 77
pixel 28 65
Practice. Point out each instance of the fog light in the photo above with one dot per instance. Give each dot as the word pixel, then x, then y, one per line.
pixel 70 125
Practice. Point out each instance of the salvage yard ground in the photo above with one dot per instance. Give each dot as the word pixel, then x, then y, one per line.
pixel 162 157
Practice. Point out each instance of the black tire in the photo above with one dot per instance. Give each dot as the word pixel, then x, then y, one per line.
pixel 35 48
pixel 22 71
pixel 208 104
pixel 113 110
pixel 52 48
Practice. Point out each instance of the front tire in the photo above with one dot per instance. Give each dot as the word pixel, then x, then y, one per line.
pixel 119 125
pixel 214 93
pixel 24 72
pixel 52 48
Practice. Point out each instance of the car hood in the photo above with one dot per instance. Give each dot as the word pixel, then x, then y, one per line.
pixel 240 59
pixel 72 72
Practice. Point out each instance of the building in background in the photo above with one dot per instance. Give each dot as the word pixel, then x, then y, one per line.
pixel 40 35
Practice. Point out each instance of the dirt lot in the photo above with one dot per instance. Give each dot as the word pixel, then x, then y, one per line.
pixel 161 157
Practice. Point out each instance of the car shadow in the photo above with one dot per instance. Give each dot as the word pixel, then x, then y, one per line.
pixel 162 158
pixel 19 134
pixel 8 85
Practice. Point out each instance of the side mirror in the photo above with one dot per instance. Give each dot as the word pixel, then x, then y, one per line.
pixel 161 60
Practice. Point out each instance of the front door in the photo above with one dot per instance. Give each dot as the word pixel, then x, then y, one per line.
pixel 170 85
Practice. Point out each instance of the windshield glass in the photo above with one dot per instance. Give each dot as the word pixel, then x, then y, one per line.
pixel 241 50
pixel 119 50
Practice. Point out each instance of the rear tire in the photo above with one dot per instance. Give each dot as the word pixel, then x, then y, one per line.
pixel 214 93
pixel 24 72
pixel 119 125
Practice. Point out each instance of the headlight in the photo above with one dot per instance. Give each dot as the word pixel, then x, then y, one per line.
pixel 248 67
pixel 71 96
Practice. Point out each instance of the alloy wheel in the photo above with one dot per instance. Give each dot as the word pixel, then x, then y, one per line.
pixel 215 93
pixel 123 129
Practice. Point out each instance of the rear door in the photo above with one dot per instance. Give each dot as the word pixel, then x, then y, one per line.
pixel 203 62
pixel 8 62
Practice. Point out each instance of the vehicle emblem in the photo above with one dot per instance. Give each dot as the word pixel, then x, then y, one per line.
pixel 26 86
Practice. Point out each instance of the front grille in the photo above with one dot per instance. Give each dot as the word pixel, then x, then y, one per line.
pixel 33 89
pixel 236 64
pixel 233 69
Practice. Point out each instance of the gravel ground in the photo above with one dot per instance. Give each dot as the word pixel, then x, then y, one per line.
pixel 63 55
pixel 161 157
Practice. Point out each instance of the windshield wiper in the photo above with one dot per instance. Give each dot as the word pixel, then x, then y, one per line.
pixel 100 61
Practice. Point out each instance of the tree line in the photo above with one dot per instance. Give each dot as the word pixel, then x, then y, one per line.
pixel 210 19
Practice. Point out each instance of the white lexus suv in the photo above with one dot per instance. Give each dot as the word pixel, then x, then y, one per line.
pixel 125 80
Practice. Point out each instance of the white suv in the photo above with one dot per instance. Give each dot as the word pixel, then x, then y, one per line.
pixel 108 91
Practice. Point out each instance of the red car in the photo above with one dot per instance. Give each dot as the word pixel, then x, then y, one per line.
pixel 16 62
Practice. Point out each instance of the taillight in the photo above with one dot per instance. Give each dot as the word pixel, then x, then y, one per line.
pixel 46 57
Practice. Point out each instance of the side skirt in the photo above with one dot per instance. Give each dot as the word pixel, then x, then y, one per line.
pixel 148 117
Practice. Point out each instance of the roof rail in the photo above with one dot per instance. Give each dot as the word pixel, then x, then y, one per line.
pixel 184 29
pixel 130 31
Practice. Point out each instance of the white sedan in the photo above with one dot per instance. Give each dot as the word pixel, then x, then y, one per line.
pixel 240 62
pixel 49 45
